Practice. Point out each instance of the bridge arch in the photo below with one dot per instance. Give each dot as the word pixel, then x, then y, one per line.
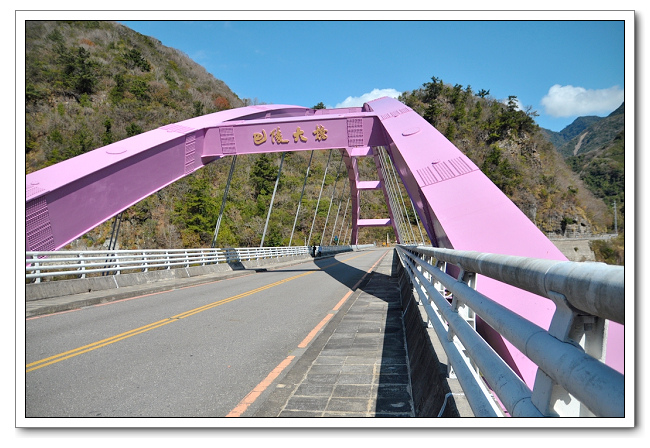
pixel 457 204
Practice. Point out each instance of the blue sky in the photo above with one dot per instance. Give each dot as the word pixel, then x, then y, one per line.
pixel 561 68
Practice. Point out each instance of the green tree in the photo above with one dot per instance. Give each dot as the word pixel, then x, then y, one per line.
pixel 133 129
pixel 199 109
pixel 140 88
pixel 197 212
pixel 80 72
pixel 107 136
pixel 133 58
pixel 116 94
pixel 263 175
pixel 500 171
pixel 433 89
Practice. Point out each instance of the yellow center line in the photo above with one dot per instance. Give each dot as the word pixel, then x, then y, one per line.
pixel 261 387
pixel 119 337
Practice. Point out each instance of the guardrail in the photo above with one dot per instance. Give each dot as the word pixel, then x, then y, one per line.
pixel 45 265
pixel 589 291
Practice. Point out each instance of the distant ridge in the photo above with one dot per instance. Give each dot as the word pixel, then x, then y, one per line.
pixel 587 133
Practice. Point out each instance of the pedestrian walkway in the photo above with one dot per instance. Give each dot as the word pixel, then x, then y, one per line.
pixel 358 366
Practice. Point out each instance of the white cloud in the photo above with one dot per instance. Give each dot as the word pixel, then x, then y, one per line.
pixel 568 101
pixel 357 101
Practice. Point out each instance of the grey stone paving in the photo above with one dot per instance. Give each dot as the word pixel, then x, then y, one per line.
pixel 359 368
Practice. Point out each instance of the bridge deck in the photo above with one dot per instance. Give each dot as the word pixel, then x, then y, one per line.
pixel 357 365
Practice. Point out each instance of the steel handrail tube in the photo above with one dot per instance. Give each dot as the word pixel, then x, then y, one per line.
pixel 593 383
pixel 138 263
pixel 596 288
pixel 107 252
pixel 107 268
pixel 596 385
pixel 511 390
pixel 128 259
pixel 125 259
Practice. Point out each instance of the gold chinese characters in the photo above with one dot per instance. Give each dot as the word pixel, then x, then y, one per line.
pixel 320 134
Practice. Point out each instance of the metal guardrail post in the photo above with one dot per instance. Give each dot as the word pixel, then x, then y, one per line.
pixel 82 268
pixel 117 266
pixel 37 271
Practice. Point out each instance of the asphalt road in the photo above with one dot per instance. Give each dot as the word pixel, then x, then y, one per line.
pixel 192 352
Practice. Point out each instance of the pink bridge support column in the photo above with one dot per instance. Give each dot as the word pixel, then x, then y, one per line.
pixel 459 207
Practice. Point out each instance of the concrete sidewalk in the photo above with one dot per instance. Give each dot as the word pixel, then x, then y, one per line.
pixel 358 366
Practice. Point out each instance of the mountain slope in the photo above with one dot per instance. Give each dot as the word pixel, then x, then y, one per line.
pixel 598 134
pixel 558 139
pixel 596 152
pixel 511 150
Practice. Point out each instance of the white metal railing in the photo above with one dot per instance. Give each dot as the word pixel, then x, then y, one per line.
pixel 590 293
pixel 41 265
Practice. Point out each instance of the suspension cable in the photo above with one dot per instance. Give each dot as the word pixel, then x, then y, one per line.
pixel 346 232
pixel 408 229
pixel 319 195
pixel 223 201
pixel 389 193
pixel 401 197
pixel 268 215
pixel 343 220
pixel 393 204
pixel 338 210
pixel 338 171
pixel 301 194
pixel 115 231
pixel 397 195
pixel 417 220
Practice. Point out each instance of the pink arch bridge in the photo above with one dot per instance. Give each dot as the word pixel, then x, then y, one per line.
pixel 458 206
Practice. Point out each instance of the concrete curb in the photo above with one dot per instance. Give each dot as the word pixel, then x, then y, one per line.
pixel 65 295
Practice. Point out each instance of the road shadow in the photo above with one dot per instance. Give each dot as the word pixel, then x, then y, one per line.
pixel 370 341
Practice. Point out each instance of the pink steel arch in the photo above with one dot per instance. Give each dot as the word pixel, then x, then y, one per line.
pixel 458 205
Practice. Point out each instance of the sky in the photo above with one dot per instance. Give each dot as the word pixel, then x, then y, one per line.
pixel 560 68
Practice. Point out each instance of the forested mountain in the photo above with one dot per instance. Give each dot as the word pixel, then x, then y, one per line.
pixel 594 148
pixel 587 134
pixel 92 83
pixel 574 129
pixel 511 150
